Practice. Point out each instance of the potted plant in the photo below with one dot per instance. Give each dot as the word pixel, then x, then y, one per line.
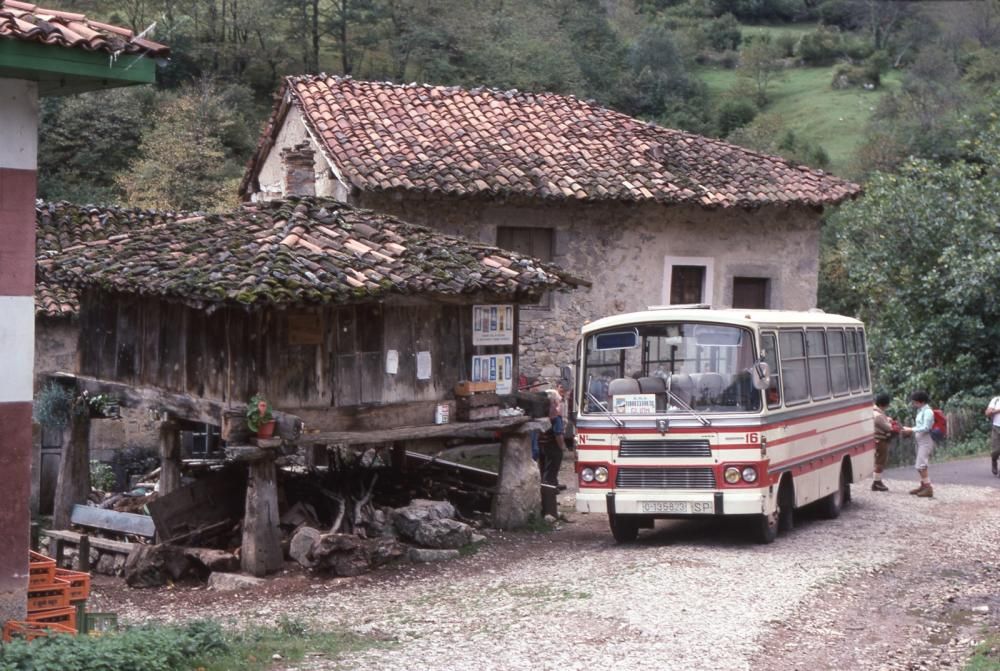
pixel 259 417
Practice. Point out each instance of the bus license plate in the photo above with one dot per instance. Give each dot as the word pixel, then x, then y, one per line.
pixel 678 507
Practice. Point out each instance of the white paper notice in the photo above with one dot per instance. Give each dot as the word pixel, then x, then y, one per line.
pixel 392 362
pixel 423 365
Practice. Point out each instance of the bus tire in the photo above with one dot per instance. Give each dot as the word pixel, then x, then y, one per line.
pixel 766 529
pixel 833 503
pixel 624 528
pixel 786 505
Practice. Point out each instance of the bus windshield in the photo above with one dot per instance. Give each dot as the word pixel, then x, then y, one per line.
pixel 626 370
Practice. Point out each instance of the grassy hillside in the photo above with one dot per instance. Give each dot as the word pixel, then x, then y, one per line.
pixel 809 106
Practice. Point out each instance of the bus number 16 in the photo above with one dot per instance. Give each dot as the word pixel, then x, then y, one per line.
pixel 753 438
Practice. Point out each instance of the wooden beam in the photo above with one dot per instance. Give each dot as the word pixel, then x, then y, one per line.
pixel 112 520
pixel 170 457
pixel 453 429
pixel 73 483
pixel 174 405
pixel 61 537
pixel 261 550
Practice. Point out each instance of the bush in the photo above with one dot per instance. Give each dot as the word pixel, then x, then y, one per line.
pixel 821 46
pixel 786 43
pixel 723 33
pixel 102 476
pixel 840 13
pixel 151 648
pixel 53 406
pixel 735 114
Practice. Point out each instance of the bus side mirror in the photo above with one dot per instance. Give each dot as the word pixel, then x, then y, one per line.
pixel 760 375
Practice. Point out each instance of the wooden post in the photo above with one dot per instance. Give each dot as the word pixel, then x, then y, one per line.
pixel 83 554
pixel 73 484
pixel 261 550
pixel 57 550
pixel 170 457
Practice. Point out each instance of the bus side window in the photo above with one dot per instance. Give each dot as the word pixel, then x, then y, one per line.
pixel 838 361
pixel 863 356
pixel 793 366
pixel 771 359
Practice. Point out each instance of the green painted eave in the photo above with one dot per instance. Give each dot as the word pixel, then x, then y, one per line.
pixel 65 70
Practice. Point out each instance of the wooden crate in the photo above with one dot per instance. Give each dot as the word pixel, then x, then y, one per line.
pixel 477 400
pixel 41 569
pixel 79 583
pixel 467 388
pixel 29 631
pixel 63 616
pixel 48 597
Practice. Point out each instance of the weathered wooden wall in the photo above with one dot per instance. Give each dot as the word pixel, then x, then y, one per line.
pixel 328 360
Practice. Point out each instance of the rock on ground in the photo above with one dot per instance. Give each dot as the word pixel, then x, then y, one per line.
pixel 231 582
pixel 426 556
pixel 300 547
pixel 154 565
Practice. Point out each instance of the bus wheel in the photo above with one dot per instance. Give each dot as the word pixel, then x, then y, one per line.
pixel 833 503
pixel 625 528
pixel 767 527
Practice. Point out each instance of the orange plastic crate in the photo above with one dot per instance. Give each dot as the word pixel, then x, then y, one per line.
pixel 41 569
pixel 63 616
pixel 29 631
pixel 47 597
pixel 79 583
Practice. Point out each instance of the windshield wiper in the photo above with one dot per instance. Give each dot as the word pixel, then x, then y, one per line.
pixel 593 399
pixel 687 408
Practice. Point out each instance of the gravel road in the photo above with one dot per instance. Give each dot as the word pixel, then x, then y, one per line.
pixel 896 582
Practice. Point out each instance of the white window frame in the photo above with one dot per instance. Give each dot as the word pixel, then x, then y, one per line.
pixel 707 262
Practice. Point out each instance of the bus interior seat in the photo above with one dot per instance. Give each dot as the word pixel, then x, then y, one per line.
pixel 710 386
pixel 623 385
pixel 682 386
pixel 655 385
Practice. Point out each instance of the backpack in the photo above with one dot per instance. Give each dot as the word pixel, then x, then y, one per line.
pixel 939 430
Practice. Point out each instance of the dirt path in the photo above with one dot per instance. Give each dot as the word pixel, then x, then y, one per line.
pixel 894 582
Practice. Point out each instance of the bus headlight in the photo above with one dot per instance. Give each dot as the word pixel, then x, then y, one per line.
pixel 587 475
pixel 601 474
pixel 749 474
pixel 732 475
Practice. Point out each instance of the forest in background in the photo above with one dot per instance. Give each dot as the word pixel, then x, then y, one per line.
pixel 898 95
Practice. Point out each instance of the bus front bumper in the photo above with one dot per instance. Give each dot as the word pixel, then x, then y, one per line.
pixel 673 504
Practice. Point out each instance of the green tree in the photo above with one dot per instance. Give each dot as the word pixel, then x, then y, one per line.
pixel 86 140
pixel 193 156
pixel 760 63
pixel 919 259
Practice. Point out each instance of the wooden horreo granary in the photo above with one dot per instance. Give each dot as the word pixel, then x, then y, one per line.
pixel 344 319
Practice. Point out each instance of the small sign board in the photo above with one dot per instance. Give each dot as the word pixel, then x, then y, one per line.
pixel 634 404
pixel 497 368
pixel 492 324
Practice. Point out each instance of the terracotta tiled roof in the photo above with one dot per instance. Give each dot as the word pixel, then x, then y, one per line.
pixel 63 228
pixel 297 251
pixel 437 139
pixel 31 23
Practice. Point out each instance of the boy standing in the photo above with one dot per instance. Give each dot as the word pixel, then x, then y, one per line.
pixel 921 432
pixel 883 434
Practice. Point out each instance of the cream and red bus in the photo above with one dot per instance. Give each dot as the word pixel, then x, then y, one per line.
pixel 694 412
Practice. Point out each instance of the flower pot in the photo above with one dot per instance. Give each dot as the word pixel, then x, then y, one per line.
pixel 266 430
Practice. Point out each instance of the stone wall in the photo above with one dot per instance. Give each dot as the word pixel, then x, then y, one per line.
pixel 623 251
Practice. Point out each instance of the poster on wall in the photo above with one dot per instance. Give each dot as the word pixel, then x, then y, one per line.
pixel 492 324
pixel 497 368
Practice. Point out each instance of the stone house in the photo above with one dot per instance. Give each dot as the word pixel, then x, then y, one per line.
pixel 649 215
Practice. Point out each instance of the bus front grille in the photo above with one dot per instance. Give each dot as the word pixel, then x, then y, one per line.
pixel 665 478
pixel 664 448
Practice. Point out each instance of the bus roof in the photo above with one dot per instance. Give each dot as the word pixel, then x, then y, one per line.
pixel 734 316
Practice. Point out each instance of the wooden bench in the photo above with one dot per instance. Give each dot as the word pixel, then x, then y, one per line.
pixel 102 520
